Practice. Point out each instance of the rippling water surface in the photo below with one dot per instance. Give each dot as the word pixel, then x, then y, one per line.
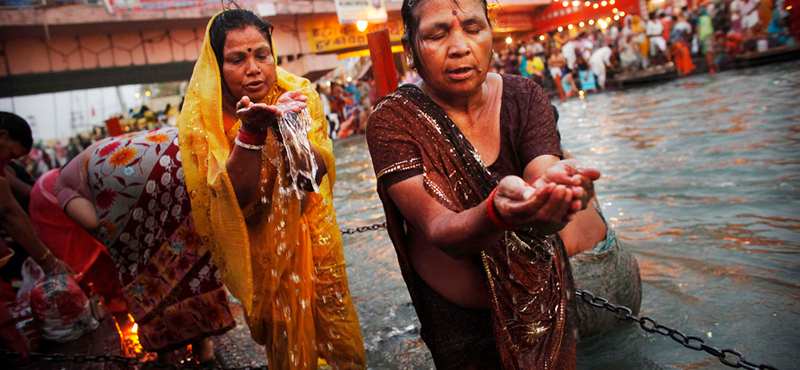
pixel 701 179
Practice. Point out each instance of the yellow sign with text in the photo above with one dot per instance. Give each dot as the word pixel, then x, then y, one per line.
pixel 326 36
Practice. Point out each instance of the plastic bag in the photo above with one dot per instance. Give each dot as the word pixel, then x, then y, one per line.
pixel 32 275
pixel 60 307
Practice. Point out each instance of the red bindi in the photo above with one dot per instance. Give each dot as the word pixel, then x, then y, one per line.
pixel 455 12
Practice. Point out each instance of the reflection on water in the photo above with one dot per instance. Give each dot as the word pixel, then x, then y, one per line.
pixel 701 179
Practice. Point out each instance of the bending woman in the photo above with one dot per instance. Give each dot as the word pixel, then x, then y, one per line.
pixel 129 193
pixel 455 155
pixel 279 250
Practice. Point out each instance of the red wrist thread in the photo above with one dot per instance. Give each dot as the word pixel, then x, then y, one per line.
pixel 252 139
pixel 494 216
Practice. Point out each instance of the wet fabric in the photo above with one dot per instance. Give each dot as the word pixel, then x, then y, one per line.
pixel 171 287
pixel 285 266
pixel 527 275
pixel 610 271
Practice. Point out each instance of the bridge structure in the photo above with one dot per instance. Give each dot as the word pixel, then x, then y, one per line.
pixel 60 46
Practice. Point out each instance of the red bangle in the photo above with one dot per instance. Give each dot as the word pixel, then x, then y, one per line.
pixel 251 139
pixel 494 216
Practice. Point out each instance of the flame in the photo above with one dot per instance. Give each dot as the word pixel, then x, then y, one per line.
pixel 135 328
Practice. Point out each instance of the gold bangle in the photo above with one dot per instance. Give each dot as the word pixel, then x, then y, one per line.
pixel 44 256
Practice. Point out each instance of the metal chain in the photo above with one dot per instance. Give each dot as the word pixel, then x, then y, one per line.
pixel 648 324
pixel 736 360
pixel 730 357
pixel 362 229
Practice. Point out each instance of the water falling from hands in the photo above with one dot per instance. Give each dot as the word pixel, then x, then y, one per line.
pixel 294 129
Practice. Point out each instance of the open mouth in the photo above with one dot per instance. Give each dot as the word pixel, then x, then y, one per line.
pixel 461 73
pixel 254 85
pixel 461 70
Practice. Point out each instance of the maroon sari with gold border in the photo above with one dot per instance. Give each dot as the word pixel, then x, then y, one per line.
pixel 528 275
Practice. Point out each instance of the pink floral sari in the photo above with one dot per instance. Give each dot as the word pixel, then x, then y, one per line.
pixel 174 291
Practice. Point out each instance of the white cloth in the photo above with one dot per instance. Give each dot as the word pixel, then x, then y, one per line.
pixel 750 20
pixel 569 52
pixel 749 13
pixel 601 58
pixel 537 48
pixel 555 72
pixel 613 33
pixel 657 42
pixel 683 26
pixel 654 28
pixel 626 31
pixel 627 56
pixel 326 105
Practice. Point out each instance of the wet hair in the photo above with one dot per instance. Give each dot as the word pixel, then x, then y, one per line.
pixel 235 19
pixel 18 129
pixel 411 25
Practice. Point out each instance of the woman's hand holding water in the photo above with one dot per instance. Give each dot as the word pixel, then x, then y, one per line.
pixel 576 177
pixel 258 117
pixel 521 205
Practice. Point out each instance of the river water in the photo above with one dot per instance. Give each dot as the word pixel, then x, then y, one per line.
pixel 701 180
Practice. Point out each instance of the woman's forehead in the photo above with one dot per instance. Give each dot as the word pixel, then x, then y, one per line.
pixel 435 11
pixel 249 36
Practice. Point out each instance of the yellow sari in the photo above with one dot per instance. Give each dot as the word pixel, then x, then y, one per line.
pixel 285 266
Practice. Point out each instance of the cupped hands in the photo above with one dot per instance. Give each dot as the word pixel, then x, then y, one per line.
pixel 551 201
pixel 258 117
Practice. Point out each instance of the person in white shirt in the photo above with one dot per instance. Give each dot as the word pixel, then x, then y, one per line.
pixel 537 49
pixel 613 33
pixel 568 50
pixel 680 29
pixel 653 29
pixel 749 12
pixel 601 58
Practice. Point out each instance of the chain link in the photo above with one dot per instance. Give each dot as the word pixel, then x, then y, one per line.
pixel 362 229
pixel 730 357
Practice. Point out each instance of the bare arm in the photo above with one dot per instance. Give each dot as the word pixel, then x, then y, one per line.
pixel 244 170
pixel 21 190
pixel 471 231
pixel 15 221
pixel 244 165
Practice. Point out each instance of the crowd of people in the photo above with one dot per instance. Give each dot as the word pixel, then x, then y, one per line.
pixel 583 57
pixel 347 105
pixel 187 214
pixel 44 156
pixel 492 221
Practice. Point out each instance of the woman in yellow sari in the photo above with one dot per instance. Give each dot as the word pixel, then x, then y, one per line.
pixel 279 249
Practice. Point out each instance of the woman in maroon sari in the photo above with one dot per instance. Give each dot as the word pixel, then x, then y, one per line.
pixel 455 156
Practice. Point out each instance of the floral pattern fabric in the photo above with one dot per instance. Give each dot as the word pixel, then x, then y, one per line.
pixel 172 288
